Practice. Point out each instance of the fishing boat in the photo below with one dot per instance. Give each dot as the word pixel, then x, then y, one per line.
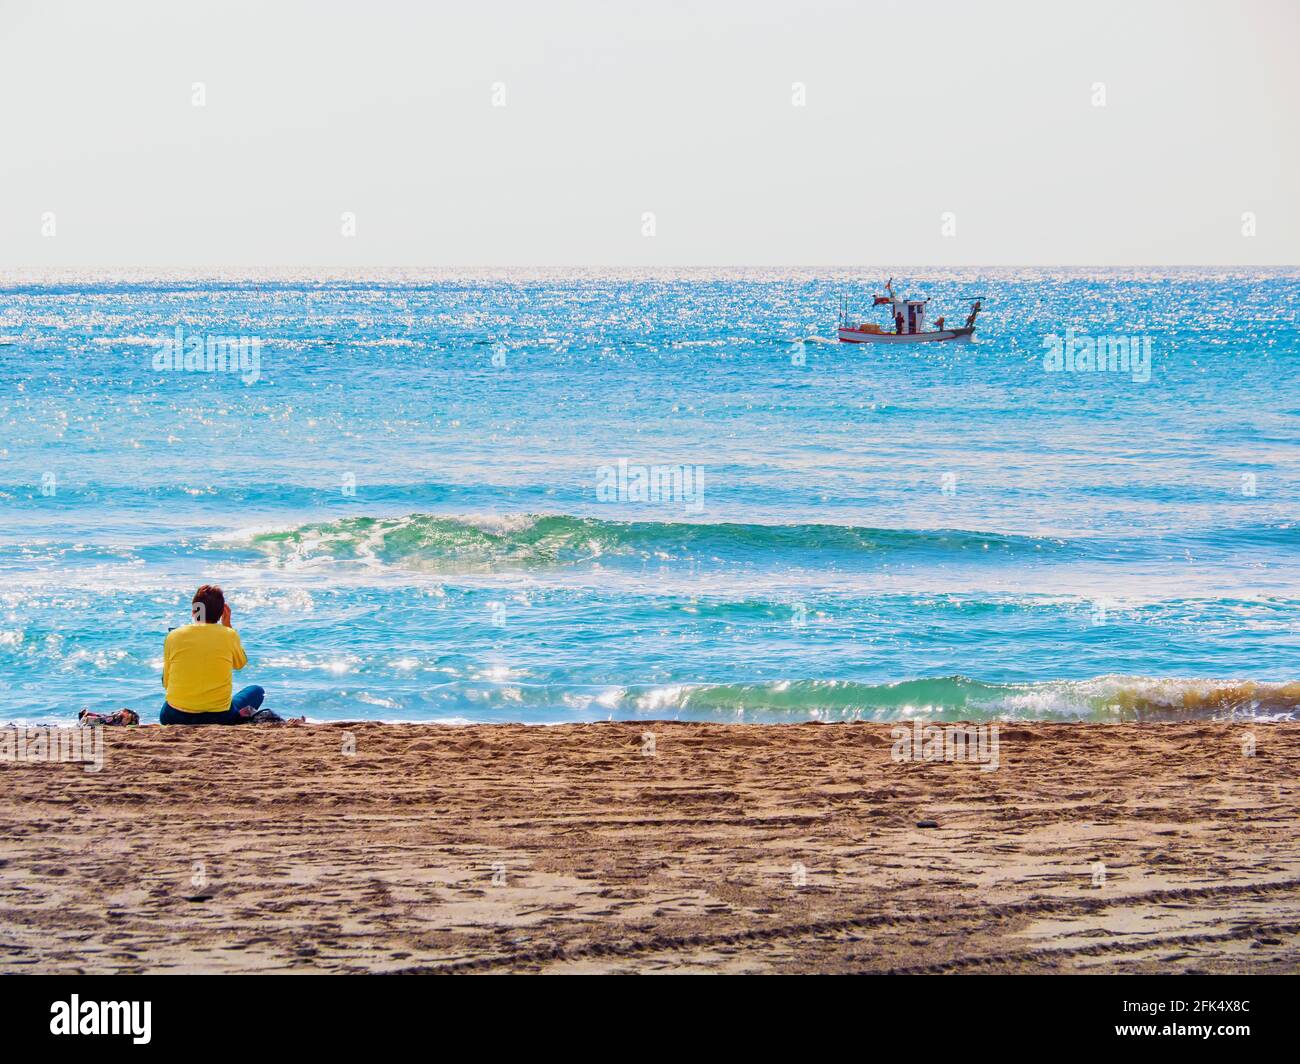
pixel 907 323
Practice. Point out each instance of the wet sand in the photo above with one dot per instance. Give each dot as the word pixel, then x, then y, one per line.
pixel 721 848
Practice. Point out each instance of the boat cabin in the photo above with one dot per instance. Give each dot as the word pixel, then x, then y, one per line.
pixel 913 312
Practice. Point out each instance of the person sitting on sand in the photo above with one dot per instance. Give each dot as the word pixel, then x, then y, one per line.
pixel 198 662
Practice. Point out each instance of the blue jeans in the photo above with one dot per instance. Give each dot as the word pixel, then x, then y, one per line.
pixel 249 698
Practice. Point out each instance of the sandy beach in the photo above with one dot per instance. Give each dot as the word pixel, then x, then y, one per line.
pixel 708 848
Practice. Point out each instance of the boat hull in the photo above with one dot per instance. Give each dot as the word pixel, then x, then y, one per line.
pixel 852 336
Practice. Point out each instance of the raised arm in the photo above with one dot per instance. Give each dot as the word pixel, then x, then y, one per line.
pixel 238 658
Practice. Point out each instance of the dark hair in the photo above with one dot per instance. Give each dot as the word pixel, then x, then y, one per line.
pixel 208 604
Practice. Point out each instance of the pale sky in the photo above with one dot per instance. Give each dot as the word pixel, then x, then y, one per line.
pixel 385 109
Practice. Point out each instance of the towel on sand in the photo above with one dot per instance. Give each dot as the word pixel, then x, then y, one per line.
pixel 88 719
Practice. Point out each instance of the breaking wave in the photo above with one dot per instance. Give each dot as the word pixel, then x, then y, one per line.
pixel 429 541
pixel 1103 698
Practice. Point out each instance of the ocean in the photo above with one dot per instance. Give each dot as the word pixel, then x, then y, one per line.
pixel 543 497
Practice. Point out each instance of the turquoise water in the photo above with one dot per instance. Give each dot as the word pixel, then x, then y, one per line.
pixel 415 504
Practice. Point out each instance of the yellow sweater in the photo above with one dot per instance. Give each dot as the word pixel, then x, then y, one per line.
pixel 197 664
